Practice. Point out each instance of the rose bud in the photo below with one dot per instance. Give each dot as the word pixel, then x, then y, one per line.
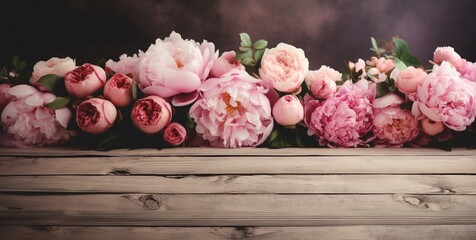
pixel 323 88
pixel 431 127
pixel 151 114
pixel 175 134
pixel 225 63
pixel 3 94
pixel 84 80
pixel 95 115
pixel 118 90
pixel 288 110
pixel 409 78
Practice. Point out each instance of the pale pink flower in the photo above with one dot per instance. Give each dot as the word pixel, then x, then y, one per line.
pixel 358 66
pixel 233 111
pixel 382 64
pixel 27 122
pixel 431 127
pixel 126 64
pixel 284 68
pixel 95 115
pixel 445 97
pixel 344 119
pixel 322 82
pixel 447 54
pixel 175 68
pixel 469 72
pixel 118 90
pixel 84 80
pixel 54 65
pixel 225 63
pixel 288 110
pixel 393 126
pixel 151 114
pixel 175 134
pixel 408 79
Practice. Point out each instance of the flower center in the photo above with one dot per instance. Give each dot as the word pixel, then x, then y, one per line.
pixel 87 115
pixel 230 108
pixel 81 72
pixel 179 63
pixel 148 112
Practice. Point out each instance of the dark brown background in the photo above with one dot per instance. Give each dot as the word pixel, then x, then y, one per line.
pixel 330 32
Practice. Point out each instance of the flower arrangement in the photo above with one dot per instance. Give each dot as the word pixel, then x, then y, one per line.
pixel 180 92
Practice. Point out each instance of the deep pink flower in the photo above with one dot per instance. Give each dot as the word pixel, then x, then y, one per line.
pixel 233 111
pixel 345 119
pixel 118 90
pixel 445 97
pixel 151 114
pixel 4 99
pixel 84 80
pixel 175 134
pixel 27 122
pixel 95 115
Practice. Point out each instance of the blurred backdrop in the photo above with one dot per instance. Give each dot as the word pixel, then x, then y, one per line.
pixel 330 32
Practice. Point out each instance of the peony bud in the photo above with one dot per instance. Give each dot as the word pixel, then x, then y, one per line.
pixel 409 78
pixel 118 90
pixel 225 63
pixel 175 134
pixel 4 87
pixel 447 54
pixel 431 127
pixel 323 88
pixel 288 110
pixel 151 114
pixel 84 80
pixel 95 115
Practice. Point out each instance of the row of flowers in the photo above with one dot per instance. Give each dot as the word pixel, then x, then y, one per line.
pixel 183 93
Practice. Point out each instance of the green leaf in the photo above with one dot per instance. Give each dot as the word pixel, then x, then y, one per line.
pixel 245 40
pixel 244 49
pixel 382 89
pixel 135 90
pixel 406 105
pixel 58 103
pixel 399 64
pixel 374 43
pixel 16 62
pixel 53 82
pixel 258 55
pixel 260 44
pixel 401 52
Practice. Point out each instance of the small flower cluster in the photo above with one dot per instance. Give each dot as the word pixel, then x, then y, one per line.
pixel 180 92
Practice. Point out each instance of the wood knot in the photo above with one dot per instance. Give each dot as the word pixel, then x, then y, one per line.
pixel 150 201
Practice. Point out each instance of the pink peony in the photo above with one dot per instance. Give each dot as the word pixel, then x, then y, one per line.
pixel 445 97
pixel 432 128
pixel 54 65
pixel 27 122
pixel 393 125
pixel 4 99
pixel 322 82
pixel 118 90
pixel 151 114
pixel 126 65
pixel 288 110
pixel 225 63
pixel 284 68
pixel 175 68
pixel 447 54
pixel 175 134
pixel 408 79
pixel 345 119
pixel 469 72
pixel 85 80
pixel 233 111
pixel 95 115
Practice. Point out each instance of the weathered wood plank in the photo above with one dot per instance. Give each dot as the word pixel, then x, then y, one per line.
pixel 235 210
pixel 239 165
pixel 203 151
pixel 378 232
pixel 295 184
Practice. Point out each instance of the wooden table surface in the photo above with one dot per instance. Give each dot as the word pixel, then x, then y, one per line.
pixel 246 193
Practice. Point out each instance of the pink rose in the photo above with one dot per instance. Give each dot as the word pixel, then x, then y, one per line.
pixel 382 64
pixel 95 115
pixel 175 134
pixel 225 63
pixel 174 68
pixel 288 110
pixel 408 79
pixel 322 82
pixel 344 119
pixel 284 67
pixel 118 90
pixel 126 65
pixel 85 80
pixel 393 125
pixel 447 54
pixel 4 99
pixel 27 122
pixel 54 65
pixel 151 114
pixel 445 97
pixel 233 111
pixel 431 127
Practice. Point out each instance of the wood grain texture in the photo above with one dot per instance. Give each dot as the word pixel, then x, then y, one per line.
pixel 464 164
pixel 377 232
pixel 272 184
pixel 235 210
